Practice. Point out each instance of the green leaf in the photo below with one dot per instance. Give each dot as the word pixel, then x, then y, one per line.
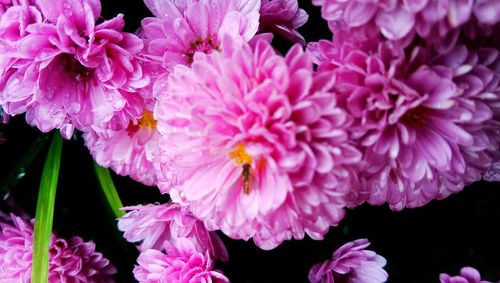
pixel 45 211
pixel 17 173
pixel 109 190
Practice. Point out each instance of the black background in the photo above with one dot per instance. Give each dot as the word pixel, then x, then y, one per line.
pixel 418 244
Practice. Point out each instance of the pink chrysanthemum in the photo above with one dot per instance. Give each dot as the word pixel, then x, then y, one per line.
pixel 181 264
pixel 129 150
pixel 182 28
pixel 68 72
pixel 477 76
pixel 69 261
pixel 351 263
pixel 467 275
pixel 397 19
pixel 426 124
pixel 283 17
pixel 254 145
pixel 156 224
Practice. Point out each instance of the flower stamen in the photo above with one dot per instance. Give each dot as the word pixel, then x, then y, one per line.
pixel 205 45
pixel 415 117
pixel 240 155
pixel 74 67
pixel 146 121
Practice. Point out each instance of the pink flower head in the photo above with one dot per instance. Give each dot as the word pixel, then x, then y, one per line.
pixel 467 275
pixel 69 261
pixel 351 263
pixel 283 17
pixel 181 264
pixel 433 20
pixel 477 76
pixel 156 224
pixel 254 144
pixel 69 72
pixel 182 28
pixel 425 123
pixel 129 150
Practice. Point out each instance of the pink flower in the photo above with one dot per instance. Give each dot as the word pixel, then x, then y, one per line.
pixel 69 72
pixel 156 224
pixel 477 77
pixel 254 144
pixel 467 275
pixel 396 19
pixel 283 17
pixel 351 263
pixel 69 261
pixel 424 123
pixel 181 264
pixel 129 150
pixel 182 28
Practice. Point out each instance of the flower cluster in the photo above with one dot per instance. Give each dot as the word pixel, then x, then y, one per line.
pixel 70 260
pixel 176 247
pixel 425 120
pixel 401 107
pixel 245 149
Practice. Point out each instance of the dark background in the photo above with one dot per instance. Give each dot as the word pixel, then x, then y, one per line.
pixel 418 244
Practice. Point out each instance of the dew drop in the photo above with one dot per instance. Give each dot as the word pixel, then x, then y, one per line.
pixel 21 173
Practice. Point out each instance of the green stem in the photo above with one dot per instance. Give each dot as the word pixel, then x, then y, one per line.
pixel 109 190
pixel 45 211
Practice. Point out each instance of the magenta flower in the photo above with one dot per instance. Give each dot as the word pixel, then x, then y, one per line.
pixel 156 224
pixel 283 17
pixel 182 28
pixel 129 150
pixel 351 263
pixel 254 144
pixel 477 77
pixel 467 275
pixel 433 20
pixel 69 261
pixel 69 72
pixel 426 124
pixel 182 264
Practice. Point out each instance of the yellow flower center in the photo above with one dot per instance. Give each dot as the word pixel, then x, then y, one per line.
pixel 147 120
pixel 240 155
